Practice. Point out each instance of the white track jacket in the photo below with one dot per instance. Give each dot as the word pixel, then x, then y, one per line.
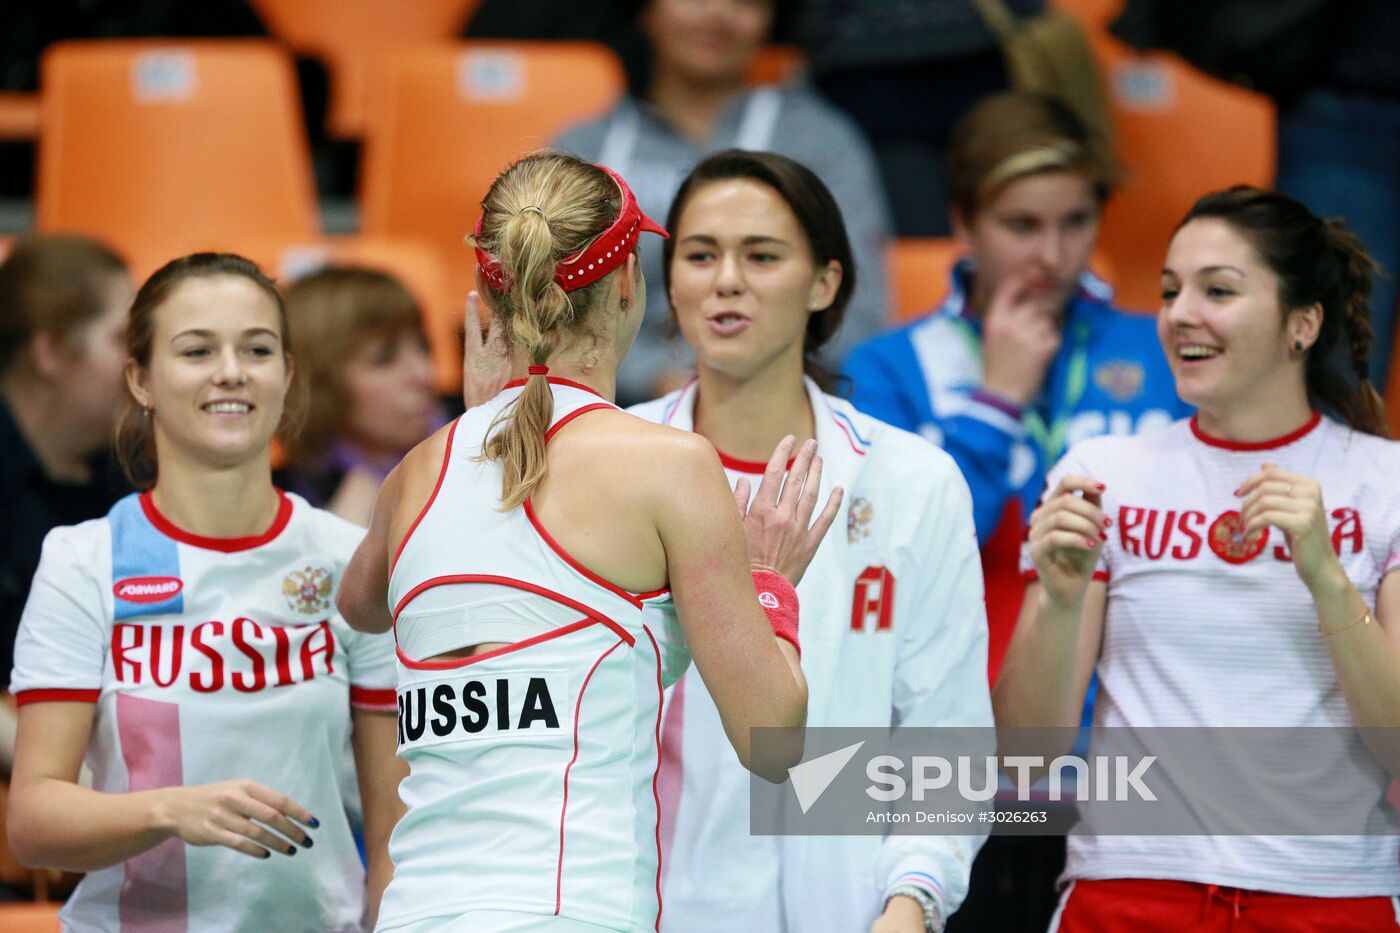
pixel 893 630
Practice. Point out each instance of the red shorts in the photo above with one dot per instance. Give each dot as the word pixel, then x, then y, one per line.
pixel 1136 905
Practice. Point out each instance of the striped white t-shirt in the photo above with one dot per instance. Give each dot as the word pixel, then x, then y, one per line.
pixel 1205 627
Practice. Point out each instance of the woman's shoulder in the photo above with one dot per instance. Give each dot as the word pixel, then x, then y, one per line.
pixel 893 454
pixel 1130 451
pixel 323 530
pixel 804 105
pixel 79 545
pixel 813 130
pixel 585 139
pixel 637 437
pixel 1384 452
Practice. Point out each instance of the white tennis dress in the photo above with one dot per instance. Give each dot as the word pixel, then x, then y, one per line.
pixel 532 787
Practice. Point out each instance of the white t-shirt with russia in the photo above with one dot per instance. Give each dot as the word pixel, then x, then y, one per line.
pixel 209 659
pixel 1205 627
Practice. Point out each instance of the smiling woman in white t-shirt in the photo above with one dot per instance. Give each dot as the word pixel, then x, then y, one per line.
pixel 1232 570
pixel 187 647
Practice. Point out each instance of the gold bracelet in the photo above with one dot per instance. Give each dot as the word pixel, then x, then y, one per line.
pixel 1364 620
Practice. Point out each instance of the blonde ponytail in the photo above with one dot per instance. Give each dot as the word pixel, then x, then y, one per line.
pixel 543 208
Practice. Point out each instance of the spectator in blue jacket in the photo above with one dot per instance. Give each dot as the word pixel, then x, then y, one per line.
pixel 1027 354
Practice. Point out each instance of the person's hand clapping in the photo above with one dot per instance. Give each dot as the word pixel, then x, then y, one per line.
pixel 1020 337
pixel 1066 532
pixel 778 523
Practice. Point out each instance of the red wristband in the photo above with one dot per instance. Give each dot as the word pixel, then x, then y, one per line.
pixel 779 601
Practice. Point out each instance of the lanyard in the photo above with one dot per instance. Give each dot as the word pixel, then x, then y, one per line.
pixel 1052 438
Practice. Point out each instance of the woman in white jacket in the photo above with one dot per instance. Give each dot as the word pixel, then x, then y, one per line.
pixel 759 272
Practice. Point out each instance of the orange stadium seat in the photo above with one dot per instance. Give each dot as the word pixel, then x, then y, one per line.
pixel 349 34
pixel 29 918
pixel 417 264
pixel 165 147
pixel 1093 15
pixel 1392 391
pixel 918 272
pixel 19 115
pixel 444 120
pixel 1179 135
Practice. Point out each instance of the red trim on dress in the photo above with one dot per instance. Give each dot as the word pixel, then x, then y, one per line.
pixel 449 664
pixel 746 466
pixel 595 406
pixel 227 545
pixel 555 381
pixel 442 473
pixel 655 774
pixel 564 808
pixel 517 584
pixel 1270 444
pixel 374 699
pixel 56 695
pixel 1033 575
pixel 568 558
pixel 633 598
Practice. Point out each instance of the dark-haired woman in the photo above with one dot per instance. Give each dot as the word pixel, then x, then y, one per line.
pixel 759 271
pixel 1274 509
pixel 64 301
pixel 188 648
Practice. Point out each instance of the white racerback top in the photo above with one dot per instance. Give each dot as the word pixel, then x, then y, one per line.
pixel 532 783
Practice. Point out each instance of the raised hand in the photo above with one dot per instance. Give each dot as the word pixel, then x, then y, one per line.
pixel 1066 532
pixel 1292 503
pixel 485 358
pixel 240 814
pixel 778 523
pixel 1020 338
